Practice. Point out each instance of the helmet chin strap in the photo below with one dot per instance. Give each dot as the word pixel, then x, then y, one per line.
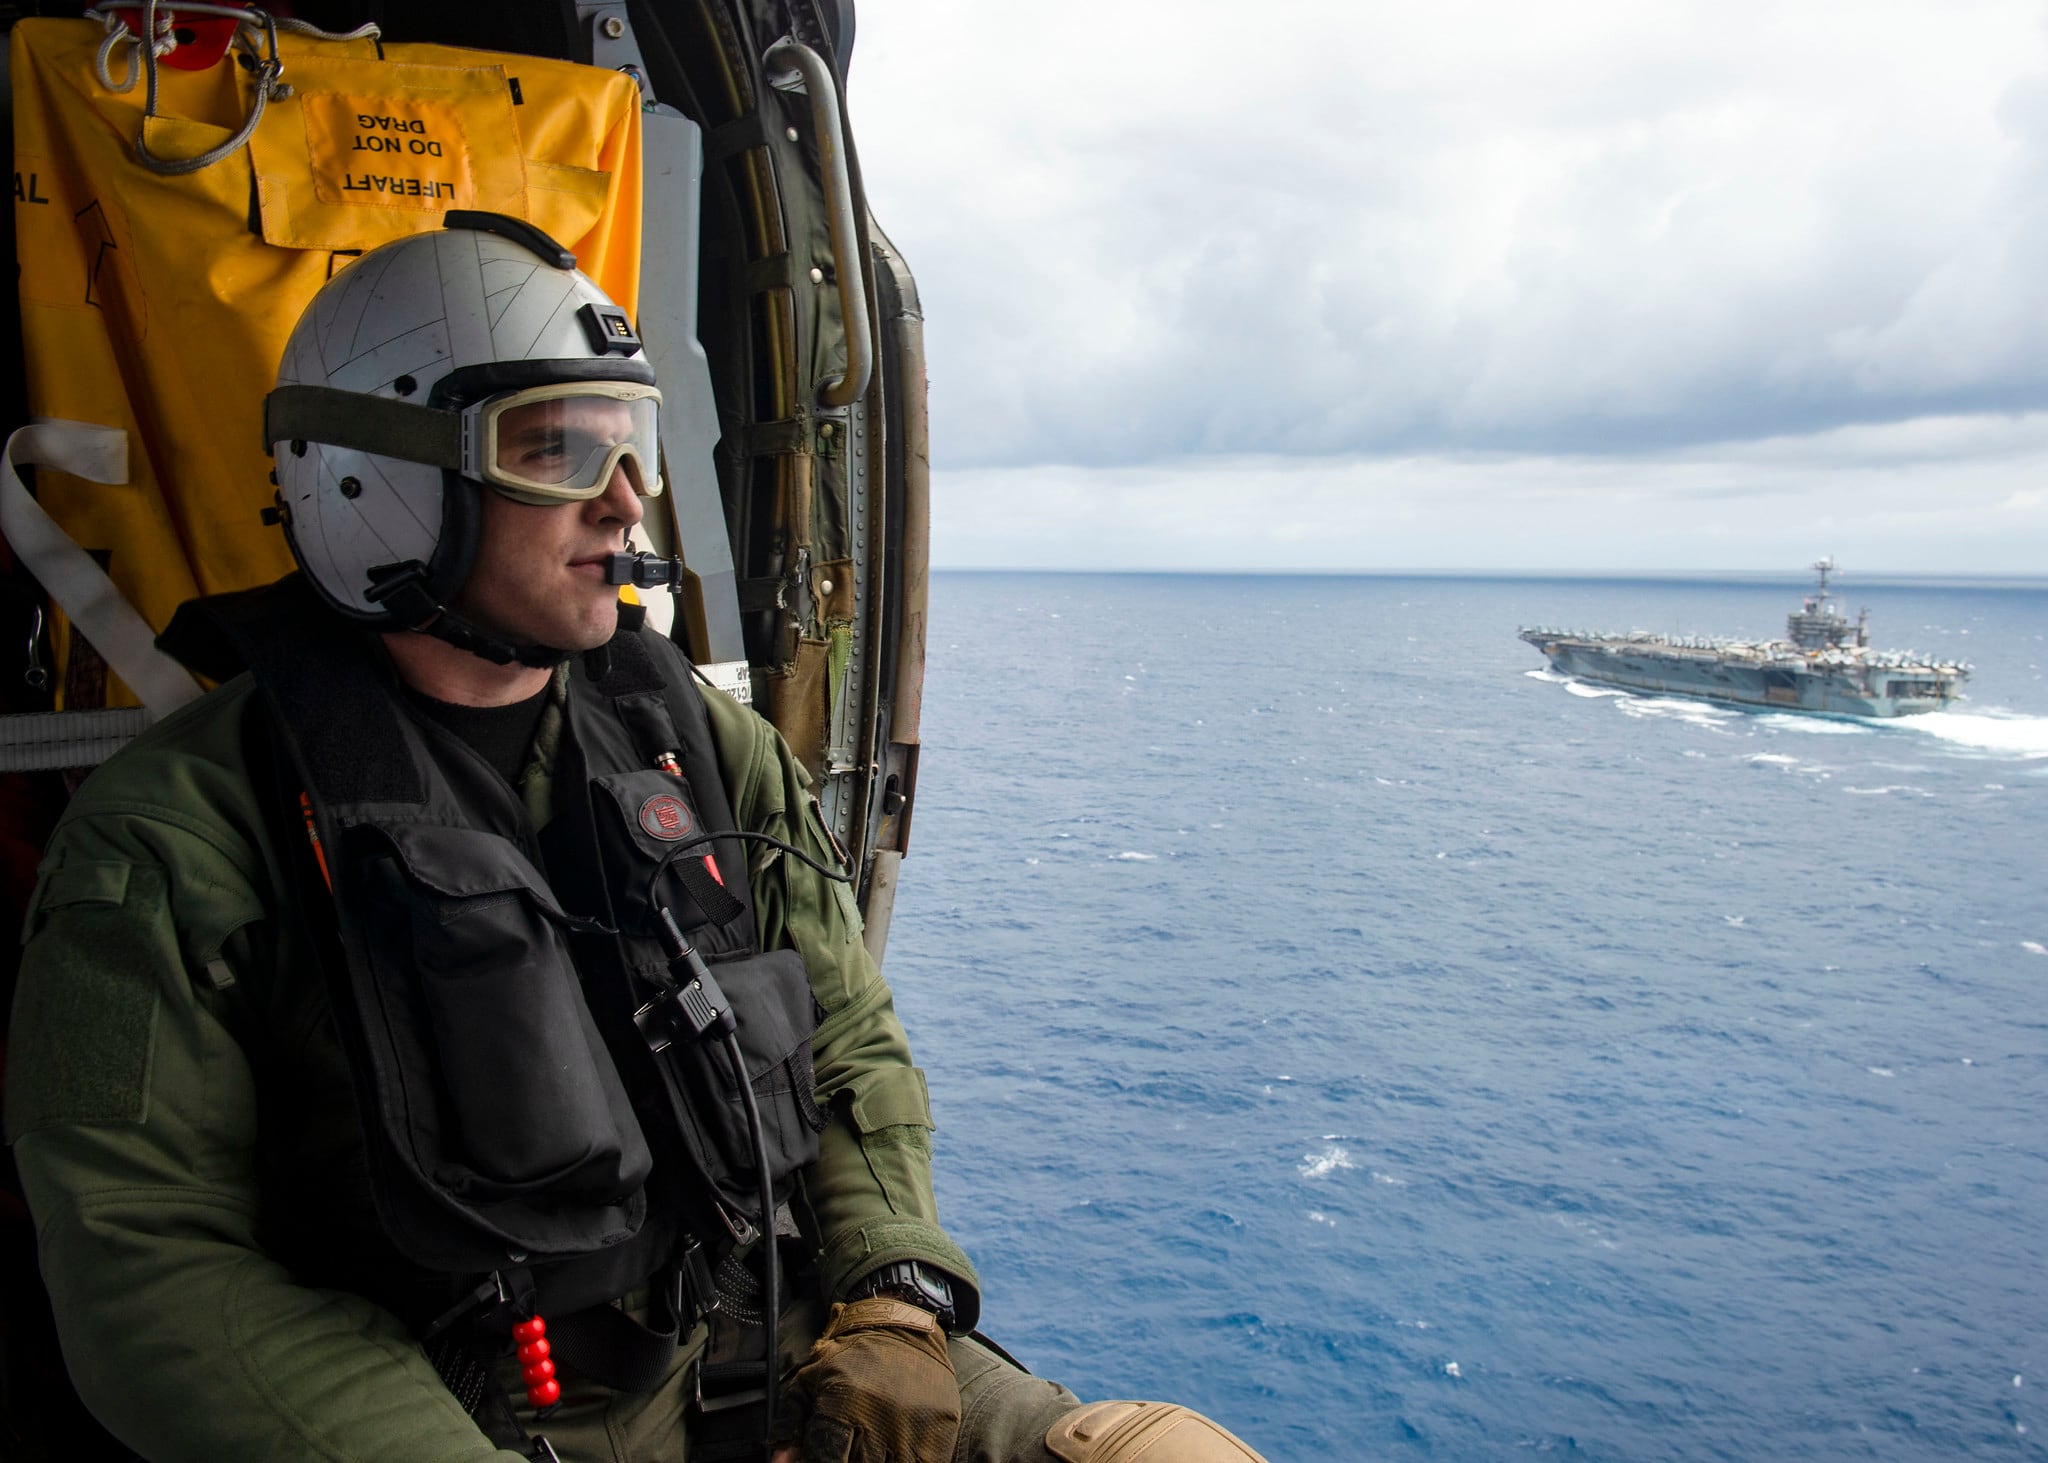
pixel 401 589
pixel 462 635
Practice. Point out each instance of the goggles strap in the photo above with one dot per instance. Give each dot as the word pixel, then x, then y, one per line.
pixel 374 424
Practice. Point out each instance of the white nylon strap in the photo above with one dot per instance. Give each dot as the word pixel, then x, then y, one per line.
pixel 74 580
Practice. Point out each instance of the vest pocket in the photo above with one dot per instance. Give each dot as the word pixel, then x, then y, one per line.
pixel 656 853
pixel 771 1002
pixel 527 1098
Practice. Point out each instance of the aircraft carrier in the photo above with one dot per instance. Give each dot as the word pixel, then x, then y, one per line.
pixel 1824 664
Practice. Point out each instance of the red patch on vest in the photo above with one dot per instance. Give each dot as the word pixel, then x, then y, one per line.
pixel 666 816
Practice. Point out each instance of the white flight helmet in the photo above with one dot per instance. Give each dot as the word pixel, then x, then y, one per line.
pixel 384 421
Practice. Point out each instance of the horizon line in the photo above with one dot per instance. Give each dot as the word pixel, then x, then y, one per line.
pixel 1986 578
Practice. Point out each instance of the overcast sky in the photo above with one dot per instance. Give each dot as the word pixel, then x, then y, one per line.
pixel 1465 284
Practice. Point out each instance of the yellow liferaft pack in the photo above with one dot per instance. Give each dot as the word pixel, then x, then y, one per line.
pixel 159 305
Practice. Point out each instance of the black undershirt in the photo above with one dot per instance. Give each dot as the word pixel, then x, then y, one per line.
pixel 501 735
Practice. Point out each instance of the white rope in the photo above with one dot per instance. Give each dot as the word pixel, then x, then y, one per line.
pixel 369 30
pixel 144 58
pixel 105 14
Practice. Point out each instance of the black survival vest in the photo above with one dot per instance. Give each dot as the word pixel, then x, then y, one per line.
pixel 516 1116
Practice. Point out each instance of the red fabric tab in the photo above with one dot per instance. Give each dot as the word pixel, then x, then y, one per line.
pixel 202 40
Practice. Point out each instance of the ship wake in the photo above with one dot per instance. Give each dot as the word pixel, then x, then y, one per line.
pixel 2011 736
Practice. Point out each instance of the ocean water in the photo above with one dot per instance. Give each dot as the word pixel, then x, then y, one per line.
pixel 1339 1022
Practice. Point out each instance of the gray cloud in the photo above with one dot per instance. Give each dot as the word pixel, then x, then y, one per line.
pixel 1153 232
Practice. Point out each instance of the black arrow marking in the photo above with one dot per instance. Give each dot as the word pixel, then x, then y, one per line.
pixel 106 242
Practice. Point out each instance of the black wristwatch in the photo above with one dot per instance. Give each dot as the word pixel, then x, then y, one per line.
pixel 909 1280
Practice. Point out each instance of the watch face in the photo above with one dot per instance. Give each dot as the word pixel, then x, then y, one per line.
pixel 932 1284
pixel 916 1283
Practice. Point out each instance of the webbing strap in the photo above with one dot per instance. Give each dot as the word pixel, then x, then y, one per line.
pixel 81 588
pixel 362 423
pixel 605 1343
pixel 40 741
pixel 706 889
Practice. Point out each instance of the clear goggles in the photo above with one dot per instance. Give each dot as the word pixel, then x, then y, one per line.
pixel 562 443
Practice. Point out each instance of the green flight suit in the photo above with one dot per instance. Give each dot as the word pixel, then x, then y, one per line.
pixel 182 1118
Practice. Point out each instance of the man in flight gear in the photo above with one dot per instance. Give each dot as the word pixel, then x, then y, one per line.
pixel 373 1065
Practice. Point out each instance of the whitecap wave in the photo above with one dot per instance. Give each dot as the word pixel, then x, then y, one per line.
pixel 1785 763
pixel 1673 708
pixel 1322 1165
pixel 1888 789
pixel 1132 856
pixel 2034 947
pixel 2015 736
pixel 1813 726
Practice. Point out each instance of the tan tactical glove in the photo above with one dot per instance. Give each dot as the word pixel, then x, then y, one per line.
pixel 878 1388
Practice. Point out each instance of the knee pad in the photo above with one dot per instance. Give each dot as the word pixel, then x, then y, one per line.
pixel 1143 1432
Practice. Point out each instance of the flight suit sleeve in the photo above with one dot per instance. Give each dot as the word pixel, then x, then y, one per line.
pixel 870 1194
pixel 132 1110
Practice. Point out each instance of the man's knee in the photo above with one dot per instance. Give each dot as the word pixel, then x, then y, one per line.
pixel 1009 1416
pixel 1143 1432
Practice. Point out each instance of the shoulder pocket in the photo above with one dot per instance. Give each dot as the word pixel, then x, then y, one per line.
pixel 99 882
pixel 85 1009
pixel 890 1109
pixel 892 1097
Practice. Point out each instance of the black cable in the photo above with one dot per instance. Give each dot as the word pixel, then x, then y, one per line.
pixel 704 1009
pixel 703 838
pixel 771 1260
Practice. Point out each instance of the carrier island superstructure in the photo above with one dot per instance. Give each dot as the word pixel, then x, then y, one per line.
pixel 1824 664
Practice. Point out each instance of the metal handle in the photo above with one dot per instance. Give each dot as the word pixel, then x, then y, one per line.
pixel 851 279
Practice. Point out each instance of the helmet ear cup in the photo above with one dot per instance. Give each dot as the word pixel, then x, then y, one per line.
pixel 449 557
pixel 347 512
pixel 462 513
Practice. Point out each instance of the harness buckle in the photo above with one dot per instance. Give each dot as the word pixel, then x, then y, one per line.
pixel 492 1289
pixel 736 1224
pixel 691 1284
